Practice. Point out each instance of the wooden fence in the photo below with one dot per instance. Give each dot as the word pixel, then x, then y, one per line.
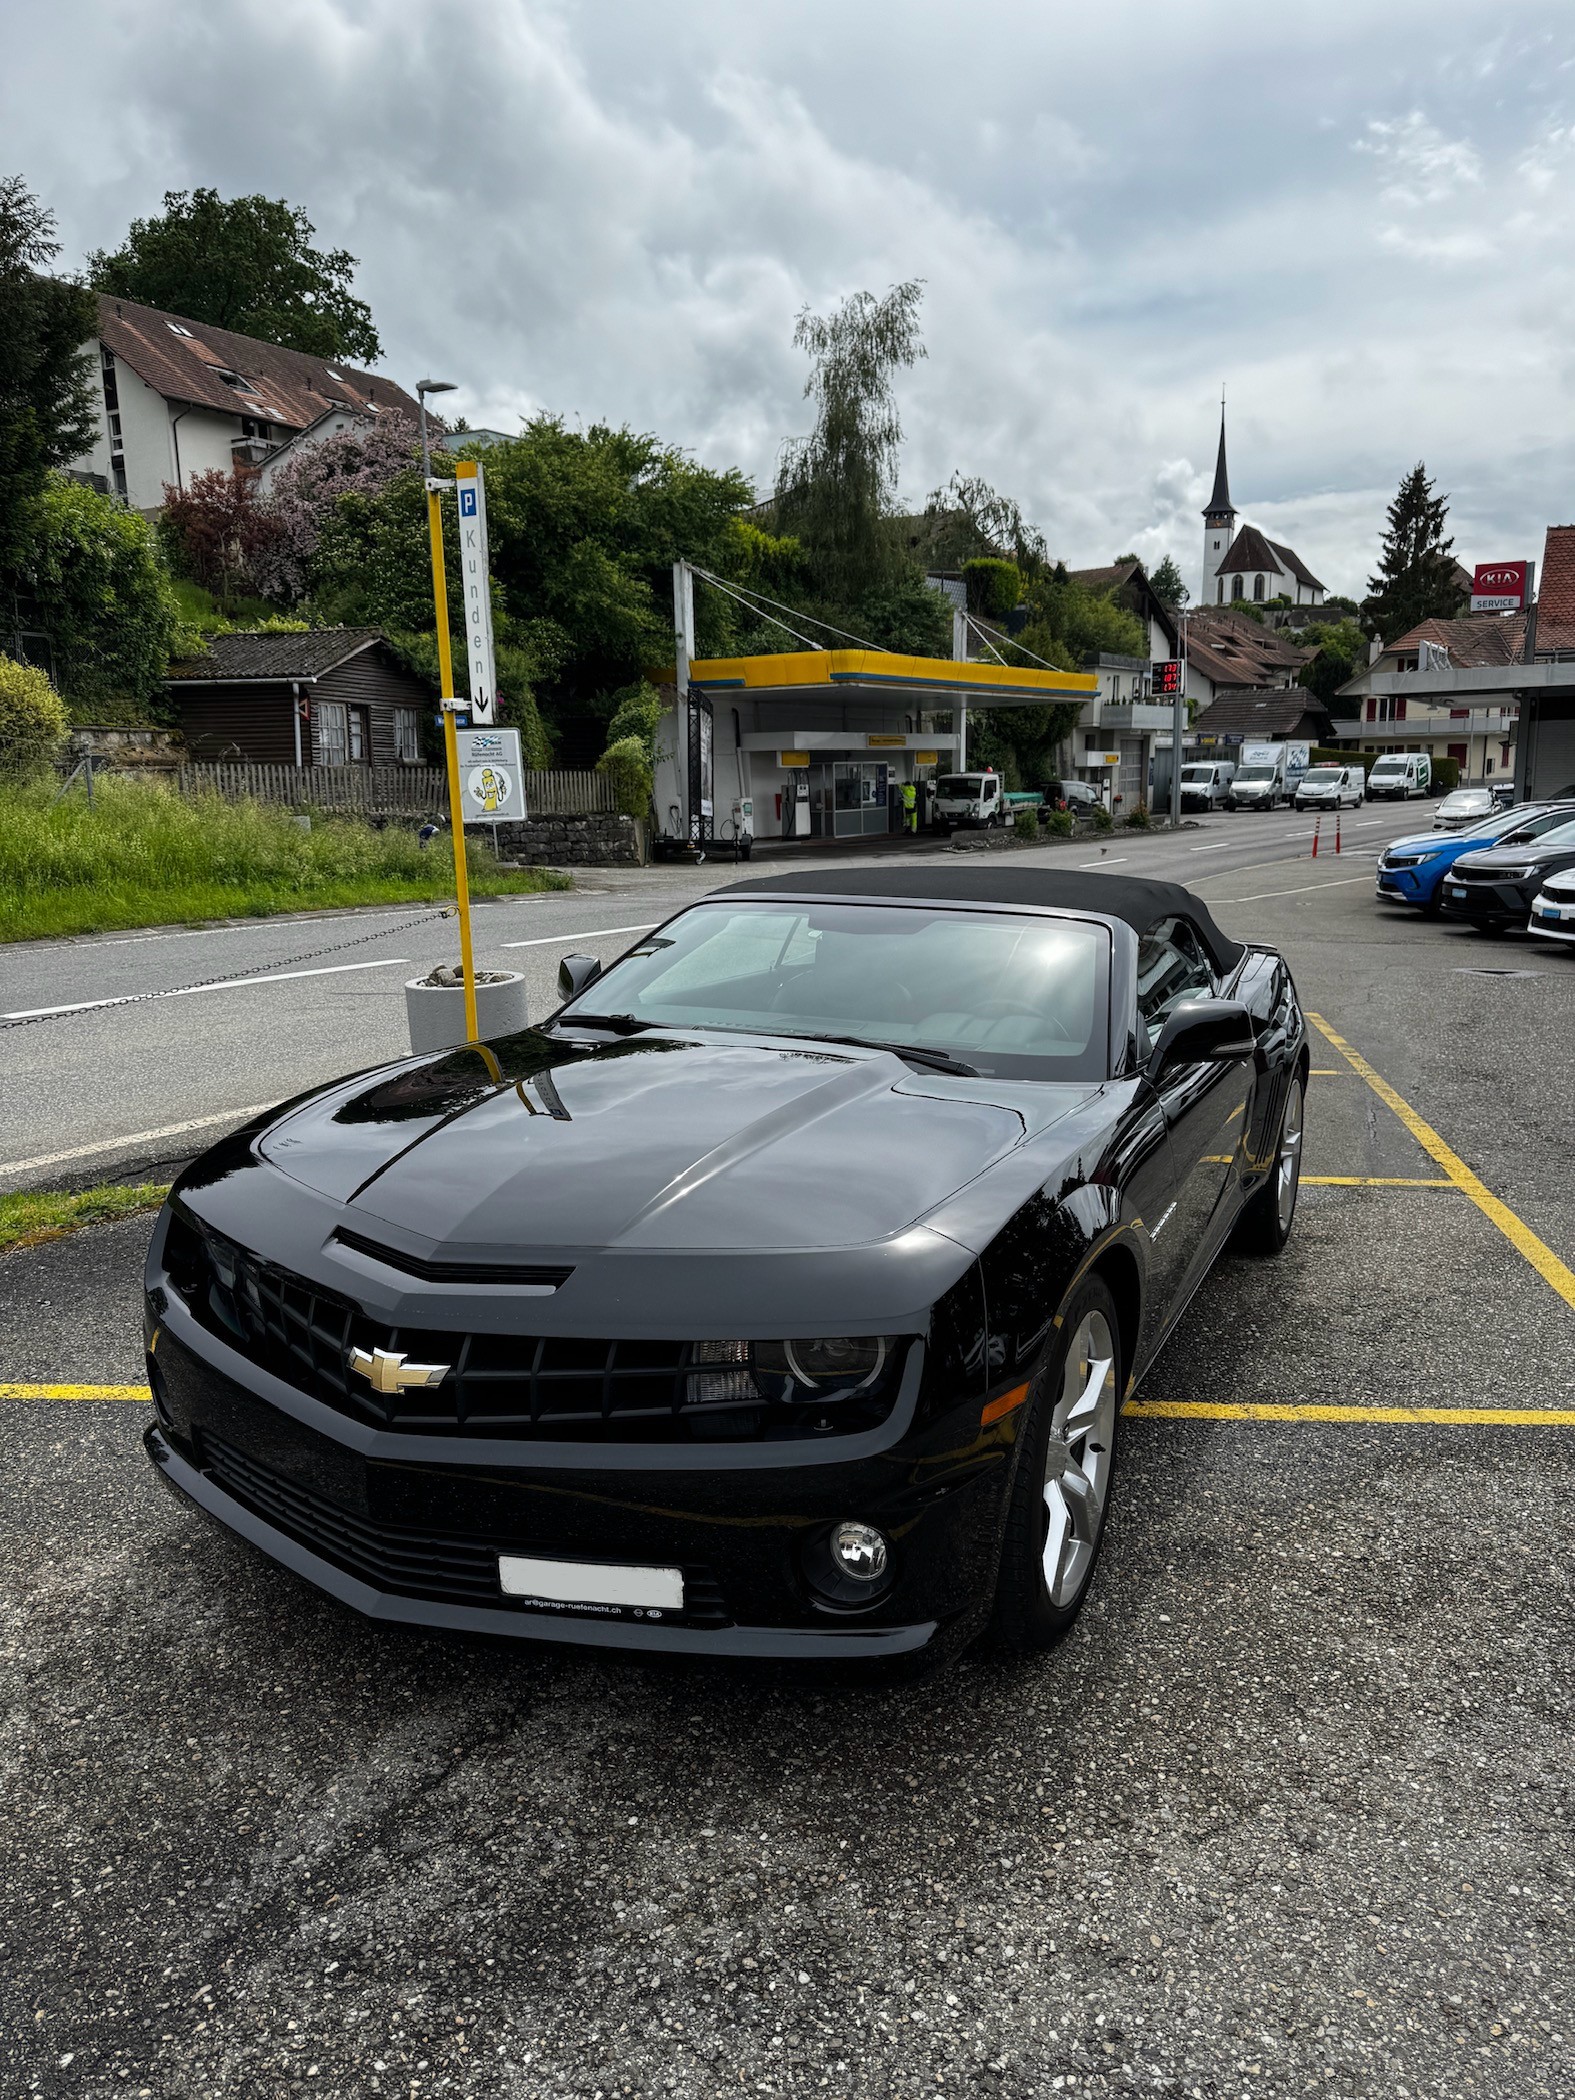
pixel 388 791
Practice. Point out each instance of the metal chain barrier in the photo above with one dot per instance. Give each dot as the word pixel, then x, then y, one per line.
pixel 235 976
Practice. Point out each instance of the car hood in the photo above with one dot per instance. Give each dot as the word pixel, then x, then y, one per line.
pixel 655 1141
pixel 1418 842
pixel 1490 860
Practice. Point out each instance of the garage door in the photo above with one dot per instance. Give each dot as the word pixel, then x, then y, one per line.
pixel 1553 751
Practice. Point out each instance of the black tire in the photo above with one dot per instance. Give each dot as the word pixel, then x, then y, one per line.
pixel 1266 1220
pixel 1027 1617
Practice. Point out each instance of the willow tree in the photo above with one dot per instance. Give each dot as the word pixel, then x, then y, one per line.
pixel 836 488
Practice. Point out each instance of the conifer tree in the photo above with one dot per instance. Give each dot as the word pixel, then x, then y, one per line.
pixel 1416 563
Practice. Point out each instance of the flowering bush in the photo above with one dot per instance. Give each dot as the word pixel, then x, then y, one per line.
pixel 215 530
pixel 360 461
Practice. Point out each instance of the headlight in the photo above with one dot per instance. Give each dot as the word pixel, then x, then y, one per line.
pixel 1512 874
pixel 832 1370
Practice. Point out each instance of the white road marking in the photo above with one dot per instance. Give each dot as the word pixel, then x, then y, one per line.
pixel 136 1137
pixel 1258 896
pixel 190 991
pixel 560 940
pixel 1120 861
pixel 1223 847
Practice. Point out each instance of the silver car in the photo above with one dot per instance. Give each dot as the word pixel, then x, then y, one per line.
pixel 1463 806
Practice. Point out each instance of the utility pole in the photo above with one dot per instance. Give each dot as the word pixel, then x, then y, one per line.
pixel 456 807
pixel 1178 723
pixel 683 636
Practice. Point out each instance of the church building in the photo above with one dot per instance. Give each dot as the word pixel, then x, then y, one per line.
pixel 1244 565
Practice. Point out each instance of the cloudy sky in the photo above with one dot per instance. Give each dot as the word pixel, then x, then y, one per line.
pixel 1360 216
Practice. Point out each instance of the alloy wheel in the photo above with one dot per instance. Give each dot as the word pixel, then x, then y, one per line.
pixel 1078 1459
pixel 1288 1169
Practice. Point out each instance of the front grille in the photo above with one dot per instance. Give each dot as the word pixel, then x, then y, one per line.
pixel 497 1385
pixel 406 1563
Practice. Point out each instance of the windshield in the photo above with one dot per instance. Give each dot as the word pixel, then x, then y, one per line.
pixel 1465 798
pixel 1322 776
pixel 1197 773
pixel 1390 765
pixel 1549 833
pixel 960 787
pixel 1013 996
pixel 1255 773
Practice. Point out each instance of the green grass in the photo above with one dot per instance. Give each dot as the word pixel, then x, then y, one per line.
pixel 27 1220
pixel 145 856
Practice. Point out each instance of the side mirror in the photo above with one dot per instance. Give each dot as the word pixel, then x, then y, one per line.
pixel 575 972
pixel 1204 1031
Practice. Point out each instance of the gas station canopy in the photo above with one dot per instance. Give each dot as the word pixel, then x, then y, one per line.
pixel 875 674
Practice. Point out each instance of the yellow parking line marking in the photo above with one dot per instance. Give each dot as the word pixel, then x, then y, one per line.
pixel 1520 1236
pixel 1370 1181
pixel 1326 1072
pixel 75 1392
pixel 1272 1411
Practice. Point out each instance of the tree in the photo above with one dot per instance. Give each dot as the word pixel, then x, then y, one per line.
pixel 1341 647
pixel 245 264
pixel 32 718
pixel 969 519
pixel 1415 578
pixel 48 408
pixel 1167 584
pixel 106 599
pixel 995 588
pixel 217 531
pixel 836 487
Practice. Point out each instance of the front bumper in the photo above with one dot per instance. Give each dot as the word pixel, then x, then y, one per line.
pixel 408 1529
pixel 1552 919
pixel 1414 885
pixel 1488 903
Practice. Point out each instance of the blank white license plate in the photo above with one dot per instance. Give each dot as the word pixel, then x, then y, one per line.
pixel 590 1584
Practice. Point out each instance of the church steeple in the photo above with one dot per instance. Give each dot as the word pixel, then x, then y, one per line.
pixel 1219 523
pixel 1220 499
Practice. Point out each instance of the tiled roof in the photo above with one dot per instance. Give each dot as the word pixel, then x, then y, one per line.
pixel 1556 583
pixel 182 361
pixel 1263 711
pixel 1480 641
pixel 1111 577
pixel 1230 649
pixel 246 658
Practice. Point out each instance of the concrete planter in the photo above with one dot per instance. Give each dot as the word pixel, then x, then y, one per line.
pixel 436 1013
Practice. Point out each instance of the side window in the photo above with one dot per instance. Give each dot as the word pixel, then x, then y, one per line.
pixel 1172 967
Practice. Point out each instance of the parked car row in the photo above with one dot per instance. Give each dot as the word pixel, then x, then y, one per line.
pixel 1514 868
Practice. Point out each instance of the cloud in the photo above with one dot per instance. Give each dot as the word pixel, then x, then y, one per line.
pixel 615 210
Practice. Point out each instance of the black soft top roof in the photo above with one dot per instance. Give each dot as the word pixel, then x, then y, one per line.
pixel 1130 897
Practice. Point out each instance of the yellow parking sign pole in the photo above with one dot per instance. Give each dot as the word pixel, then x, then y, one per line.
pixel 456 807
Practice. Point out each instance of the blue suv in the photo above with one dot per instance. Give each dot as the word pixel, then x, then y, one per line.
pixel 1412 870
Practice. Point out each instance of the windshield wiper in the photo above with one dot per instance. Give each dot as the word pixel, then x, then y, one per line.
pixel 938 1060
pixel 616 1024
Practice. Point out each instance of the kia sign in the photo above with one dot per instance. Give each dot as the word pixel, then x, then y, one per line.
pixel 1501 586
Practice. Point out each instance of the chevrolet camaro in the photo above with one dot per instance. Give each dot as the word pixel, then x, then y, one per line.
pixel 777 1296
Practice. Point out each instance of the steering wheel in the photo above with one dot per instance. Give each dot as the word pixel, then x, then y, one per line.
pixel 1005 1009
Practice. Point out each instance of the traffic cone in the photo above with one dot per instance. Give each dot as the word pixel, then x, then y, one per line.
pixel 1317 827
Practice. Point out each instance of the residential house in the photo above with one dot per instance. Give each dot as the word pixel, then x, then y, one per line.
pixel 1472 688
pixel 1244 564
pixel 1232 652
pixel 336 696
pixel 1127 583
pixel 180 398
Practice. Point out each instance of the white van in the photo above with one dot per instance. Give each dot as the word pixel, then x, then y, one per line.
pixel 969 798
pixel 1331 787
pixel 1400 774
pixel 1206 783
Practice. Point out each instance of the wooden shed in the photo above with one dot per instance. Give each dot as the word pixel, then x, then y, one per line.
pixel 336 696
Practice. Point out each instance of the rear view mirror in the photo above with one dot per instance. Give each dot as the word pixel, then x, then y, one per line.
pixel 575 972
pixel 1204 1031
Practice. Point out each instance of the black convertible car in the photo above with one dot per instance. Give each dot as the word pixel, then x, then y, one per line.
pixel 777 1296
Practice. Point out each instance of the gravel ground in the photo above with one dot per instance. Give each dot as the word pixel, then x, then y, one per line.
pixel 1287 1815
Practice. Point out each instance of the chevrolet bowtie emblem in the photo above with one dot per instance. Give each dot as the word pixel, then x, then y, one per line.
pixel 387 1373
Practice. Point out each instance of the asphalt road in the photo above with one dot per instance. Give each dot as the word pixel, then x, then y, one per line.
pixel 1287 1815
pixel 97 1086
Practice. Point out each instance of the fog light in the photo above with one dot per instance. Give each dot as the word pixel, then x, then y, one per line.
pixel 859 1551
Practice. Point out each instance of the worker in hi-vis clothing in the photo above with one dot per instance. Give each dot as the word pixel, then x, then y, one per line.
pixel 910 806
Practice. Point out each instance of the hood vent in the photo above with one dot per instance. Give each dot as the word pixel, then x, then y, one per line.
pixel 453 1271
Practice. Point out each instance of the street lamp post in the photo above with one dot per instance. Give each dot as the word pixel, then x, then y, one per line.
pixel 456 808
